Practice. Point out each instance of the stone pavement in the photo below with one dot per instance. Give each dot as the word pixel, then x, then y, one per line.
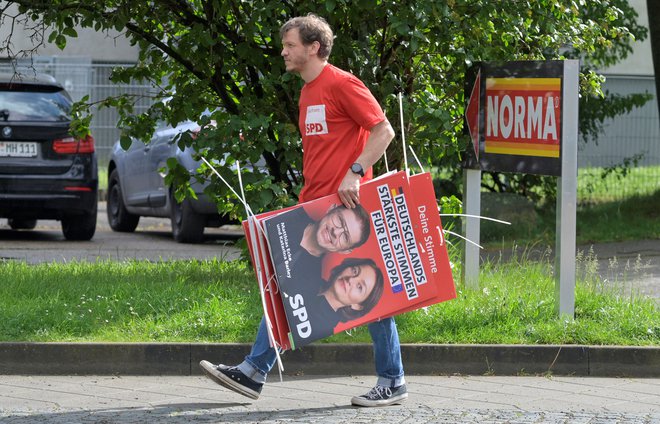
pixel 301 399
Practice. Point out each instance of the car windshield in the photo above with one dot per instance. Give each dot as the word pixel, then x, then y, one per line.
pixel 45 104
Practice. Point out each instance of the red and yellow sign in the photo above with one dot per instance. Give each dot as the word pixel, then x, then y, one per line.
pixel 523 116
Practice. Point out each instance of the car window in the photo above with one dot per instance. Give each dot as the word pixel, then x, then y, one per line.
pixel 46 104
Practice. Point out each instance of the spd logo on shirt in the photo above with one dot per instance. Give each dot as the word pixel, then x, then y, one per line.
pixel 315 123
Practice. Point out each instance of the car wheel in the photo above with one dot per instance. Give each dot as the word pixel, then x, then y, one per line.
pixel 118 217
pixel 187 225
pixel 22 224
pixel 80 227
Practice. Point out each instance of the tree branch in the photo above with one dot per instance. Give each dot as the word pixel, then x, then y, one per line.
pixel 165 48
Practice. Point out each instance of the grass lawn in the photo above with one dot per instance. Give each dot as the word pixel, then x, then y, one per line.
pixel 214 301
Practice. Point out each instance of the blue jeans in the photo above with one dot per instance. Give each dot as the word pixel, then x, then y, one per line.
pixel 387 354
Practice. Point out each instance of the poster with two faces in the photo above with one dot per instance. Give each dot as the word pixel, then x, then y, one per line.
pixel 324 268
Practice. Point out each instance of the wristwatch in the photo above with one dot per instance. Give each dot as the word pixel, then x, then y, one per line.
pixel 357 169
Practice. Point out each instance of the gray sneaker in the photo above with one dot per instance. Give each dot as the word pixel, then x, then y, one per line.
pixel 382 396
pixel 232 378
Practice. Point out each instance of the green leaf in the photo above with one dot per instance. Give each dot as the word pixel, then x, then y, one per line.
pixel 125 141
pixel 70 32
pixel 60 41
pixel 266 197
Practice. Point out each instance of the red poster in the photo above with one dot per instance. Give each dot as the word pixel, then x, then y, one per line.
pixel 339 268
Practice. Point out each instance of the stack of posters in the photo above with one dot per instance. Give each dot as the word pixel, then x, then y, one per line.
pixel 324 268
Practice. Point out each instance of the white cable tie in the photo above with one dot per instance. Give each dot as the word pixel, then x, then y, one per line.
pixel 248 210
pixel 442 235
pixel 416 158
pixel 240 179
pixel 476 216
pixel 464 238
pixel 403 135
pixel 242 200
pixel 387 166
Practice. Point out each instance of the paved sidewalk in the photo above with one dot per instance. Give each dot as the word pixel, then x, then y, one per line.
pixel 455 399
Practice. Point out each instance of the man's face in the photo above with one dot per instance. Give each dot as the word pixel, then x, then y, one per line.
pixel 338 230
pixel 295 53
pixel 354 285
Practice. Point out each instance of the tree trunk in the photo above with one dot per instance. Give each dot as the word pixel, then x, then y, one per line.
pixel 653 9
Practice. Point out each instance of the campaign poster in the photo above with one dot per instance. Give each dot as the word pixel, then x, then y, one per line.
pixel 433 245
pixel 339 268
pixel 274 309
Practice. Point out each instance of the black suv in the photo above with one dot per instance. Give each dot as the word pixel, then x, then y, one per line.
pixel 45 173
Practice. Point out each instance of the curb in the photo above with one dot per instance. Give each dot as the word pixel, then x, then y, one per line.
pixel 330 359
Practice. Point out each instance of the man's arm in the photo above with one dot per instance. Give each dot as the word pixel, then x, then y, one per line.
pixel 379 138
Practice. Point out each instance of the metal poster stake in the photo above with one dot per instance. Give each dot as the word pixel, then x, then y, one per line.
pixel 471 206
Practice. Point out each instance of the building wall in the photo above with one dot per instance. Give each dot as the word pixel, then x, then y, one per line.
pixel 639 62
pixel 633 135
pixel 99 47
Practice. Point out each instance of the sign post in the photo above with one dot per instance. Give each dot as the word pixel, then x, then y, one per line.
pixel 567 197
pixel 523 118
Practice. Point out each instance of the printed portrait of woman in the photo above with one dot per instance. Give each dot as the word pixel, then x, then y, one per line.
pixel 353 288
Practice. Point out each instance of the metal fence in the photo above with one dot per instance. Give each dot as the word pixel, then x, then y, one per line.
pixel 80 77
pixel 636 133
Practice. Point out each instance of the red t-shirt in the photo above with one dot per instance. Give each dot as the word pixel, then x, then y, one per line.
pixel 336 113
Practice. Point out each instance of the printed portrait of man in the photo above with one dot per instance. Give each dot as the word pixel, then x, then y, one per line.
pixel 298 242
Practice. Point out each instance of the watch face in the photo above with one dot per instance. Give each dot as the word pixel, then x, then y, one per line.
pixel 357 168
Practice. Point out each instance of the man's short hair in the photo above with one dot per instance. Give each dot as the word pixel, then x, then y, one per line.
pixel 311 28
pixel 363 217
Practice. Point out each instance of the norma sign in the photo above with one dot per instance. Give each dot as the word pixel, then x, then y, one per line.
pixel 523 117
pixel 514 116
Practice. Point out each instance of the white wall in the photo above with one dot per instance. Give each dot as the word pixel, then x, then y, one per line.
pixel 640 61
pixel 110 47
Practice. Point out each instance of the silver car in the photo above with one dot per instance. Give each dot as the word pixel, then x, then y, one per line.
pixel 136 187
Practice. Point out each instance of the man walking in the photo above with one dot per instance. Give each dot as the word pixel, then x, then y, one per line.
pixel 344 132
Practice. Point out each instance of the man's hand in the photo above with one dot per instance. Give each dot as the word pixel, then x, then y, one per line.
pixel 349 190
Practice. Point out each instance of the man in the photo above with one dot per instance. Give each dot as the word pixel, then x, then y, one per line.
pixel 344 132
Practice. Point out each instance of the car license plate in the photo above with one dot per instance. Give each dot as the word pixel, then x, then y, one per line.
pixel 18 149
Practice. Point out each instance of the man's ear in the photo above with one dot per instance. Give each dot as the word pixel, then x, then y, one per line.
pixel 316 46
pixel 357 307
